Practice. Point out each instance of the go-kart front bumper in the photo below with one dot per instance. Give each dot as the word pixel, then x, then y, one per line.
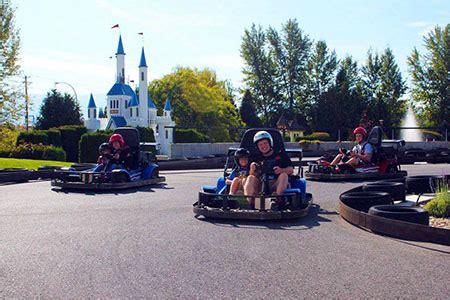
pixel 105 185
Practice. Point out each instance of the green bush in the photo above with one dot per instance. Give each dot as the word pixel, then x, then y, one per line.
pixel 32 151
pixel 89 144
pixel 432 135
pixel 146 134
pixel 8 137
pixel 54 137
pixel 439 206
pixel 321 136
pixel 70 140
pixel 190 136
pixel 32 137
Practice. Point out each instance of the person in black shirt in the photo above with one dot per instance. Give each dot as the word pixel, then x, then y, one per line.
pixel 277 165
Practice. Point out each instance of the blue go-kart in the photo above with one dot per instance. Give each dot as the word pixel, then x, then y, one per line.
pixel 144 170
pixel 216 202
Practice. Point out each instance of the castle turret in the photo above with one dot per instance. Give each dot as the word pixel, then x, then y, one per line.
pixel 120 62
pixel 143 89
pixel 167 109
pixel 92 123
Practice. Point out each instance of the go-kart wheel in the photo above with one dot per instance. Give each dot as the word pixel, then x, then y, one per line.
pixel 119 177
pixel 362 201
pixel 416 215
pixel 395 189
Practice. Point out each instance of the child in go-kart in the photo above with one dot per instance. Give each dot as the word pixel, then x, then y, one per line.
pixel 105 157
pixel 121 156
pixel 239 174
pixel 360 154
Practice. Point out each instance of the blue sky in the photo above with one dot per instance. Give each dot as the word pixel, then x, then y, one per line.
pixel 72 40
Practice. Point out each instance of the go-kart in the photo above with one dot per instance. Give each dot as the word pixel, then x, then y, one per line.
pixel 384 163
pixel 143 170
pixel 216 202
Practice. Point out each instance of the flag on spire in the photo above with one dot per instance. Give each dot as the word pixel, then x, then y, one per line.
pixel 140 33
pixel 115 26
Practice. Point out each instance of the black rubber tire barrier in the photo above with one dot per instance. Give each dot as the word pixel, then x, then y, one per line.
pixel 421 184
pixel 362 201
pixel 48 168
pixel 395 189
pixel 415 215
pixel 4 170
pixel 82 166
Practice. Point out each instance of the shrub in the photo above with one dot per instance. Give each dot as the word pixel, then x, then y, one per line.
pixel 54 137
pixel 439 206
pixel 8 137
pixel 32 137
pixel 432 135
pixel 32 151
pixel 89 144
pixel 321 136
pixel 146 134
pixel 70 140
pixel 190 136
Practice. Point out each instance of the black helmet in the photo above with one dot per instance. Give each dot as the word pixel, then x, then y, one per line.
pixel 103 147
pixel 241 153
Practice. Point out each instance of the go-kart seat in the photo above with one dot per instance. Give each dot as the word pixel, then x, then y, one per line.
pixel 375 138
pixel 132 140
pixel 247 140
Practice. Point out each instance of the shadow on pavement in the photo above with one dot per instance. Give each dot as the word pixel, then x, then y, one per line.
pixel 314 218
pixel 147 189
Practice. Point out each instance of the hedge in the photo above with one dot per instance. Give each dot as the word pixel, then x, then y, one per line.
pixel 320 136
pixel 54 137
pixel 70 137
pixel 32 151
pixel 190 136
pixel 33 137
pixel 89 144
pixel 146 134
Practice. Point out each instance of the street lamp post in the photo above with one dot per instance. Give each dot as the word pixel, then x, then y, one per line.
pixel 73 89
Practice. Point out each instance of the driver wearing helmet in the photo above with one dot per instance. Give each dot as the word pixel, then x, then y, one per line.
pixel 239 174
pixel 121 156
pixel 279 163
pixel 361 153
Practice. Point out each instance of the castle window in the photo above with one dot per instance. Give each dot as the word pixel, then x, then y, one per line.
pixel 137 111
pixel 89 113
pixel 111 104
pixel 126 104
pixel 95 113
pixel 142 76
pixel 131 111
pixel 167 134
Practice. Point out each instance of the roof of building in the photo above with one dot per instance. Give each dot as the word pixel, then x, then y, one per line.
pixel 168 106
pixel 118 121
pixel 91 102
pixel 151 104
pixel 134 101
pixel 294 126
pixel 120 47
pixel 142 63
pixel 121 89
pixel 282 122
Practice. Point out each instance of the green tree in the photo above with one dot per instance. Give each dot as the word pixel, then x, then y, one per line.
pixel 247 111
pixel 260 73
pixel 430 77
pixel 290 53
pixel 321 78
pixel 57 110
pixel 199 100
pixel 382 87
pixel 10 107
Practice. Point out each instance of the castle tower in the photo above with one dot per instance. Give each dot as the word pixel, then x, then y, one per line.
pixel 120 62
pixel 92 123
pixel 143 89
pixel 152 114
pixel 165 128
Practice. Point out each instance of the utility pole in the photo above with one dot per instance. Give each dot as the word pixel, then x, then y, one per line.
pixel 27 104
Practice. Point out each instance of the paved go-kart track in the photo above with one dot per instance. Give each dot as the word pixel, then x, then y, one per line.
pixel 147 243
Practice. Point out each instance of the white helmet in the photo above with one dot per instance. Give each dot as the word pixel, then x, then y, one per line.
pixel 260 135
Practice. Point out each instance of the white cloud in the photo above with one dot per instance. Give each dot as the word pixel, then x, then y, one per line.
pixel 418 24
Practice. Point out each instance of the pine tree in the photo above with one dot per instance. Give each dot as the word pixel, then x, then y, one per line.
pixel 10 92
pixel 431 78
pixel 248 111
pixel 58 110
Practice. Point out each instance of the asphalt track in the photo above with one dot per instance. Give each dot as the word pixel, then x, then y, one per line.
pixel 147 243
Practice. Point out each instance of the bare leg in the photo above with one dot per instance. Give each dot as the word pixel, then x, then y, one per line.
pixel 353 161
pixel 234 186
pixel 337 159
pixel 250 185
pixel 281 183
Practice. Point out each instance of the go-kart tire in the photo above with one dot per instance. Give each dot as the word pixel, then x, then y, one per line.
pixel 416 215
pixel 395 189
pixel 362 201
pixel 82 166
pixel 119 178
pixel 421 184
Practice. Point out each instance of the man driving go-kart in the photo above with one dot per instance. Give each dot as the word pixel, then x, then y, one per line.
pixel 277 165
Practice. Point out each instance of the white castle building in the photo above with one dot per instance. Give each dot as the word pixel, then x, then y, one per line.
pixel 126 107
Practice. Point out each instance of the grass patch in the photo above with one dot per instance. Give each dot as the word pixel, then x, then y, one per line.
pixel 439 206
pixel 30 163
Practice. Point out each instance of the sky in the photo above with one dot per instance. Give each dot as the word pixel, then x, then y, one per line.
pixel 72 41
